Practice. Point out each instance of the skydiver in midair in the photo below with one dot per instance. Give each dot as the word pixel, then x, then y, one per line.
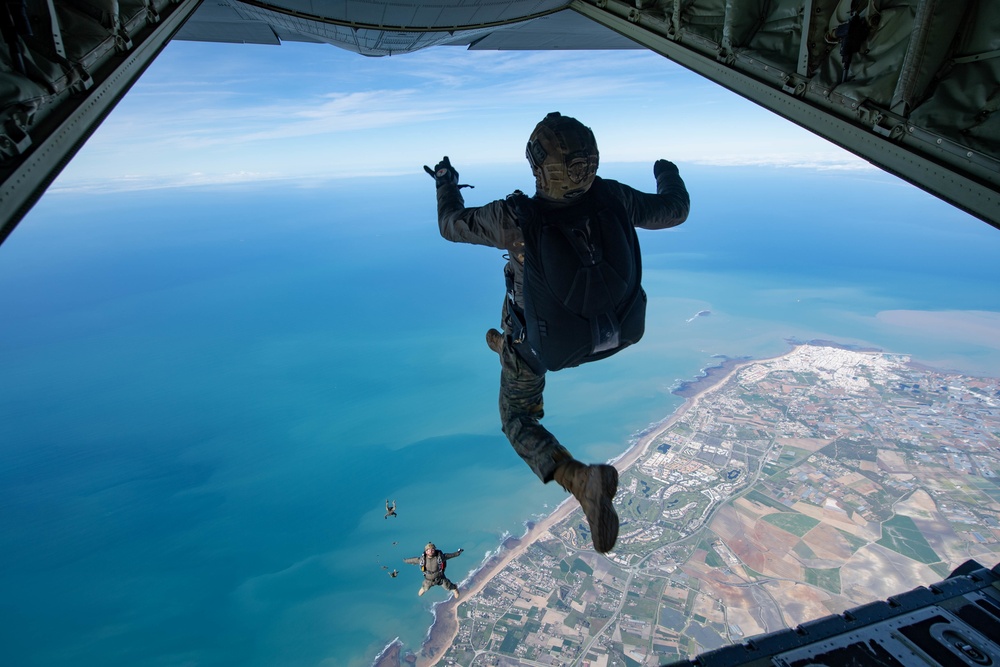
pixel 433 563
pixel 570 200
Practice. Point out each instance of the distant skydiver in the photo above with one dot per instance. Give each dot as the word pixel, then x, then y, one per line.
pixel 574 289
pixel 433 563
pixel 389 511
pixel 394 574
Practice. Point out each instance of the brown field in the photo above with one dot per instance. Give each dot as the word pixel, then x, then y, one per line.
pixel 875 572
pixel 808 444
pixel 742 617
pixel 772 539
pixel 864 486
pixel 800 603
pixel 730 524
pixel 855 526
pixel 777 545
pixel 760 545
pixel 892 462
pixel 919 504
pixel 751 508
pixel 828 544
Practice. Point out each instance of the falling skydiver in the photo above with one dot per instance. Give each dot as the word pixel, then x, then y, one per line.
pixel 573 287
pixel 433 563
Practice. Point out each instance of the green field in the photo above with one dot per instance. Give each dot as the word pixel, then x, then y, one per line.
pixel 802 550
pixel 989 487
pixel 942 569
pixel 689 603
pixel 760 498
pixel 645 608
pixel 792 522
pixel 511 642
pixel 855 541
pixel 629 639
pixel 827 579
pixel 901 535
pixel 681 428
pixel 792 455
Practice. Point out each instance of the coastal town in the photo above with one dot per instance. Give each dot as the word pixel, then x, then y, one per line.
pixel 785 490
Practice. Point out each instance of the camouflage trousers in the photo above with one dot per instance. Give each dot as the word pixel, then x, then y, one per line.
pixel 521 408
pixel 437 581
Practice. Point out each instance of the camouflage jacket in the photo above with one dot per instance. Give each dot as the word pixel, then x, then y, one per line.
pixel 496 223
pixel 432 566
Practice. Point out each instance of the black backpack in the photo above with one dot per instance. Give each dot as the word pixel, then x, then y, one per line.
pixel 583 300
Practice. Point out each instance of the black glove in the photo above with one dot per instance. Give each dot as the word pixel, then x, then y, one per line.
pixel 663 167
pixel 443 173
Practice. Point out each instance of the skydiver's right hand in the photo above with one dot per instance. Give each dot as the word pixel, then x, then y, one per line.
pixel 443 173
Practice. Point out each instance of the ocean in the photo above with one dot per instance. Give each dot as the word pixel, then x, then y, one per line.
pixel 207 395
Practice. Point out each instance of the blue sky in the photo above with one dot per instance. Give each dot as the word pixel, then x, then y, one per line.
pixel 223 113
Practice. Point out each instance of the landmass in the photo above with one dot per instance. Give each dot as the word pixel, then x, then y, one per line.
pixel 783 490
pixel 709 377
pixel 391 655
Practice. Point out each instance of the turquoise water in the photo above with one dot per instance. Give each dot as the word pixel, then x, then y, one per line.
pixel 207 396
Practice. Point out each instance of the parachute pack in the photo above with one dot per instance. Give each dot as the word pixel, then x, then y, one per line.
pixel 583 298
pixel 442 561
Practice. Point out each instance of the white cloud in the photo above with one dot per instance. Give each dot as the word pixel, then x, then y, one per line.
pixel 819 162
pixel 232 113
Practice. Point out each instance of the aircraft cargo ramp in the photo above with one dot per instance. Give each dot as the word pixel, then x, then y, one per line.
pixel 953 623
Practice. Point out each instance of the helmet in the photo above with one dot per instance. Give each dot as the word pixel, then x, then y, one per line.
pixel 563 156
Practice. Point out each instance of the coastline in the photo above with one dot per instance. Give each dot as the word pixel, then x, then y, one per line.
pixel 444 627
pixel 710 377
pixel 390 655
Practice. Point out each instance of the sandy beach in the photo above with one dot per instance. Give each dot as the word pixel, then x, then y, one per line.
pixel 445 626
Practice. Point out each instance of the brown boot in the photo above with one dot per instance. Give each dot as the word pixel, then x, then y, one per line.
pixel 495 340
pixel 594 486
